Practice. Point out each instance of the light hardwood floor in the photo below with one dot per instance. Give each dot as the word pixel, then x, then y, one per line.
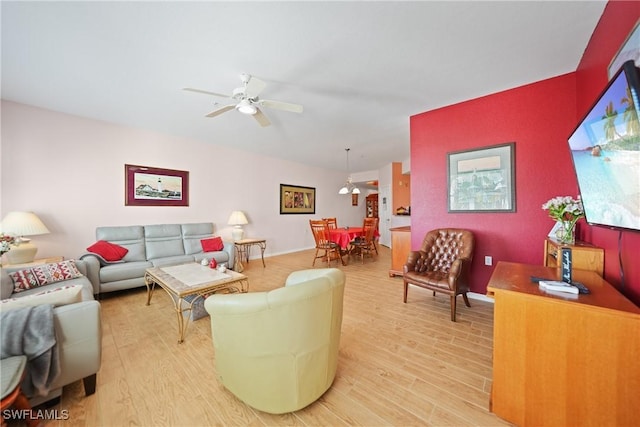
pixel 400 364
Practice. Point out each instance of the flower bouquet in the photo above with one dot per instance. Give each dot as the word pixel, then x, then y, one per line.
pixel 5 243
pixel 567 211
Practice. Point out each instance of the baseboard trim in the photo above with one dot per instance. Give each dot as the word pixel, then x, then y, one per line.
pixel 480 297
pixel 256 254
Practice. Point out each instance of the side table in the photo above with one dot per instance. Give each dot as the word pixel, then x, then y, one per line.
pixel 243 249
pixel 13 371
pixel 35 262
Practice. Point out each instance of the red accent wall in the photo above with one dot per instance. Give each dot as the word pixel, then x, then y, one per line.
pixel 538 117
pixel 614 26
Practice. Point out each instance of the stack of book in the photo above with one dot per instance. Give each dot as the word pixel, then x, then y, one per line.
pixel 557 286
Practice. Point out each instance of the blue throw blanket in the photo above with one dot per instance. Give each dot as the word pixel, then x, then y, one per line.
pixel 30 331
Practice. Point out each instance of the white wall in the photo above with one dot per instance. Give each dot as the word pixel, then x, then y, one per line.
pixel 70 171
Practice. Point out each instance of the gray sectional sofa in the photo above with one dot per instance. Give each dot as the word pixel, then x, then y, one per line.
pixel 77 324
pixel 150 246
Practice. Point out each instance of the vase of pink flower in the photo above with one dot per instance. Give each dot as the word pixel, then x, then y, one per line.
pixel 5 244
pixel 566 211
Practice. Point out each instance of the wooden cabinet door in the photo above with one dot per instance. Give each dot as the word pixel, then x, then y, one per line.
pixel 400 248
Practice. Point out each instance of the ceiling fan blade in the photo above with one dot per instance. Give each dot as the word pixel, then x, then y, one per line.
pixel 220 110
pixel 190 89
pixel 261 118
pixel 254 87
pixel 284 106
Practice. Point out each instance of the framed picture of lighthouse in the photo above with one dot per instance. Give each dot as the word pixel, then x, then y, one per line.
pixel 149 186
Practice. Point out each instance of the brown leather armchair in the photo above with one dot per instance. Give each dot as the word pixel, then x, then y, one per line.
pixel 442 264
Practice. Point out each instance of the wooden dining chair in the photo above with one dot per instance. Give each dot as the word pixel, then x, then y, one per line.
pixel 328 250
pixel 333 223
pixel 365 244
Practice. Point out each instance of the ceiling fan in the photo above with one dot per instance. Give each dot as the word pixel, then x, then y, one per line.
pixel 247 100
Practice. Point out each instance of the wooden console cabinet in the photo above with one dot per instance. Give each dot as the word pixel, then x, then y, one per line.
pixel 563 360
pixel 400 248
pixel 585 256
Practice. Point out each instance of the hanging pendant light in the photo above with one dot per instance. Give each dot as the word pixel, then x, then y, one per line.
pixel 349 187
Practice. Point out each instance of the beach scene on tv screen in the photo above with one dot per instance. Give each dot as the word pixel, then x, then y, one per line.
pixel 606 155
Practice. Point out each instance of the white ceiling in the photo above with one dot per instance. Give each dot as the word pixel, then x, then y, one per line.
pixel 359 68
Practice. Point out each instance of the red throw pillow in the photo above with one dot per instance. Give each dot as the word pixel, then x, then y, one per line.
pixel 212 245
pixel 107 250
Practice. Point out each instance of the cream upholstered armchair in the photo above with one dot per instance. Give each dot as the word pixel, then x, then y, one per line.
pixel 277 351
pixel 442 264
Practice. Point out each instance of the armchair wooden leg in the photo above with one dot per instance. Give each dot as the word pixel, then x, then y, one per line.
pixel 466 300
pixel 406 288
pixel 453 308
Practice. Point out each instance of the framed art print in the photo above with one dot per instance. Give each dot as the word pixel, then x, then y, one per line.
pixel 297 200
pixel 482 180
pixel 149 186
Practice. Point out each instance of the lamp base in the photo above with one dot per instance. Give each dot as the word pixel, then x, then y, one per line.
pixel 237 233
pixel 23 253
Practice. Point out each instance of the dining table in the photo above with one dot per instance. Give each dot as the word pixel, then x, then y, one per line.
pixel 343 235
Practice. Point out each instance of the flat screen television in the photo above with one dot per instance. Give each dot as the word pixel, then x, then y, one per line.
pixel 605 148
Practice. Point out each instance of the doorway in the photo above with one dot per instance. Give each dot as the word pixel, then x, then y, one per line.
pixel 384 212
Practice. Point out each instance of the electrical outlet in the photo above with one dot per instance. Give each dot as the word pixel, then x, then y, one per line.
pixel 488 260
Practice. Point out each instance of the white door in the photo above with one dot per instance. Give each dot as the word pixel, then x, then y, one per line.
pixel 384 212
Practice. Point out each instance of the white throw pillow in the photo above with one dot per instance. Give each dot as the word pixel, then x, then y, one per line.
pixel 57 297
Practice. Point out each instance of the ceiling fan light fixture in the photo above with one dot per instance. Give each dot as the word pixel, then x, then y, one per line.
pixel 246 100
pixel 239 93
pixel 245 107
pixel 355 190
pixel 344 190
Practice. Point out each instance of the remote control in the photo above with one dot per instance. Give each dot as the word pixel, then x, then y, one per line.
pixel 535 279
pixel 581 288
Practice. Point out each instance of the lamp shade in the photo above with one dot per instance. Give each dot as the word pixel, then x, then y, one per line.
pixel 237 218
pixel 349 187
pixel 23 224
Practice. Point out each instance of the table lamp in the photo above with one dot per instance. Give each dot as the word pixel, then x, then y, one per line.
pixel 237 219
pixel 22 224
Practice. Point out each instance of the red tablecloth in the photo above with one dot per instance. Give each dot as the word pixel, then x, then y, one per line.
pixel 343 236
